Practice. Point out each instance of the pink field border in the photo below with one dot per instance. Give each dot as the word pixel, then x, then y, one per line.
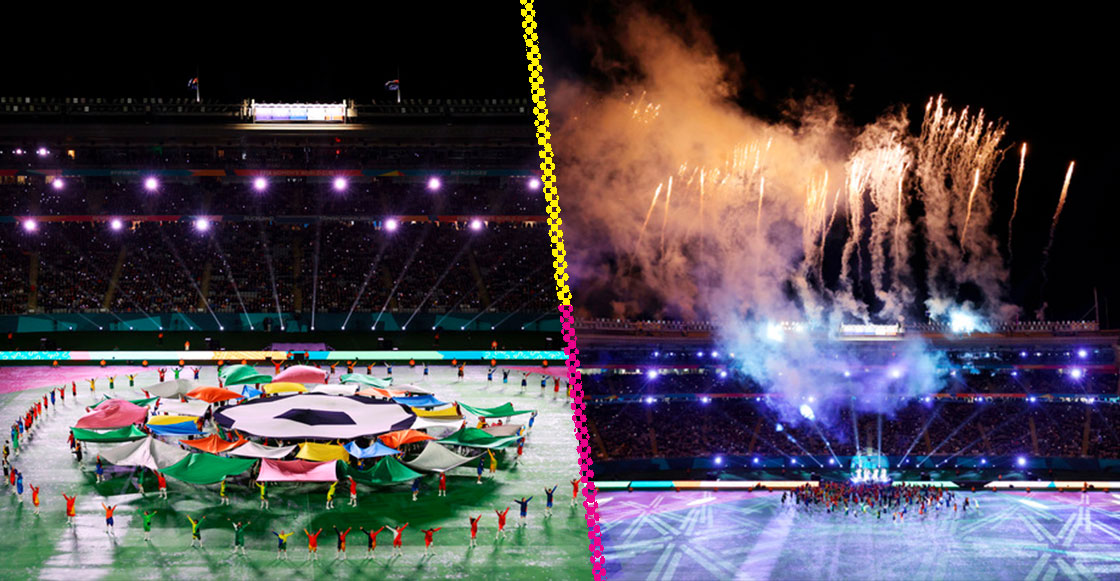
pixel 548 167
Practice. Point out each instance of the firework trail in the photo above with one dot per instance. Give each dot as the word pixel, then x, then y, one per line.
pixel 968 215
pixel 665 218
pixel 761 194
pixel 1015 204
pixel 1054 223
pixel 652 204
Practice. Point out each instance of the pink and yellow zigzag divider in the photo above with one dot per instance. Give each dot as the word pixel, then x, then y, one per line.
pixel 548 168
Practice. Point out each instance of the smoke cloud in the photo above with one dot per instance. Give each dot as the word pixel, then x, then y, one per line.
pixel 682 205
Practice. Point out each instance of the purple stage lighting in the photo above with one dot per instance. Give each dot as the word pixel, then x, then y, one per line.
pixel 260 184
pixel 58 184
pixel 151 184
pixel 1076 373
pixel 339 184
pixel 30 225
pixel 652 374
pixel 116 224
pixel 391 225
pixel 476 224
pixel 201 224
pixel 534 184
pixel 43 152
pixel 434 183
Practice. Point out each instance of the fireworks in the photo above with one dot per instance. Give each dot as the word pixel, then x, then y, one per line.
pixel 1015 203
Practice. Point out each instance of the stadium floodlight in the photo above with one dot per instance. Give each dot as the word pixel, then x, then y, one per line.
pixel 649 400
pixel 1021 461
pixel 476 224
pixel 719 460
pixel 723 374
pixel 151 184
pixel 756 460
pixel 896 373
pixel 201 224
pixel 30 225
pixel 1023 354
pixel 434 184
pixel 58 183
pixel 705 399
pixel 656 353
pixel 1076 373
pixel 831 461
pixel 1014 374
pixel 1082 353
pixel 715 353
pixel 391 225
pixel 260 184
pixel 793 461
pixel 847 373
pixel 534 184
pixel 43 152
pixel 340 184
pixel 652 374
pixel 116 224
pixel 778 427
pixel 1032 399
pixel 983 461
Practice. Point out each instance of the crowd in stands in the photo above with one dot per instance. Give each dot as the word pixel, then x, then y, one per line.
pixel 706 380
pixel 381 197
pixel 262 267
pixel 667 428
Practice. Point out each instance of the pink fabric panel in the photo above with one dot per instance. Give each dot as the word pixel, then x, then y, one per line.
pixel 297 471
pixel 113 414
pixel 301 374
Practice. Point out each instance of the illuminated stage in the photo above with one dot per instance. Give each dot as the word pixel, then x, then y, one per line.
pixel 748 535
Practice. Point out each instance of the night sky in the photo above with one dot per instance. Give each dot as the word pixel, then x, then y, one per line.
pixel 1049 75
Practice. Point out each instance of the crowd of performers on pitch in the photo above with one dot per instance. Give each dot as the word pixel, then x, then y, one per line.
pixel 877 500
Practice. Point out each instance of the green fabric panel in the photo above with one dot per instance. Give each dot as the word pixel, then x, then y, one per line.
pixel 118 435
pixel 207 468
pixel 476 438
pixel 503 411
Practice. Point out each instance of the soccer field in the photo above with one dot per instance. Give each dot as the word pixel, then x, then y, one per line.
pixel 45 547
pixel 749 535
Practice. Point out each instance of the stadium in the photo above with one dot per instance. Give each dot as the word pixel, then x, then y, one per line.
pixel 219 303
pixel 842 297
